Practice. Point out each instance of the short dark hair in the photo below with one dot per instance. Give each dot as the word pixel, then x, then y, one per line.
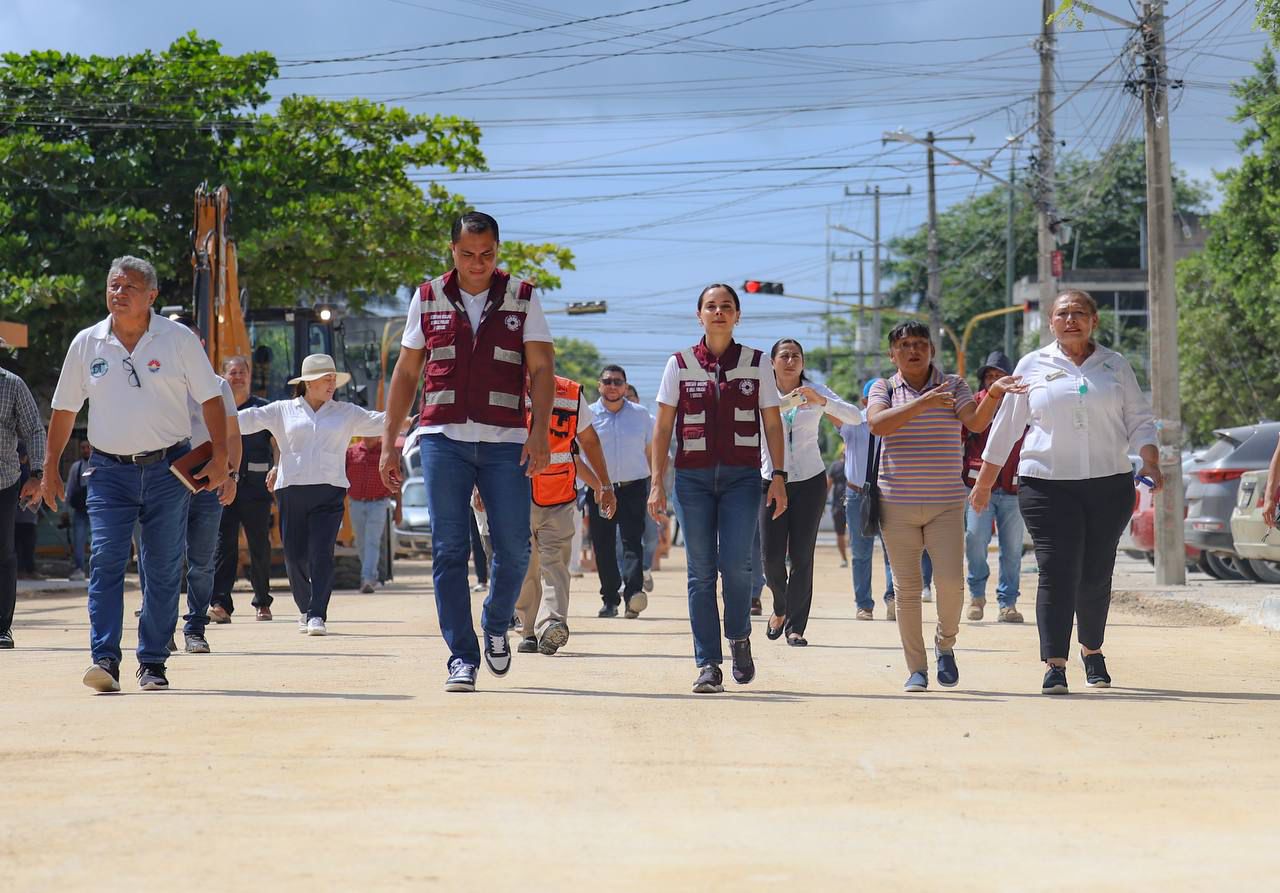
pixel 912 328
pixel 737 304
pixel 614 367
pixel 474 222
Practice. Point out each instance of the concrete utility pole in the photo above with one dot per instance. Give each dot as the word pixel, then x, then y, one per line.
pixel 877 294
pixel 1010 248
pixel 826 318
pixel 1162 300
pixel 1045 200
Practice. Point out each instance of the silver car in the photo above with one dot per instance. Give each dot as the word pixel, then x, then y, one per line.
pixel 413 532
pixel 1213 481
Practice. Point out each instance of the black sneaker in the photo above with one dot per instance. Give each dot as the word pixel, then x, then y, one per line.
pixel 196 643
pixel 528 645
pixel 744 668
pixel 1095 671
pixel 6 639
pixel 554 637
pixel 151 677
pixel 172 646
pixel 948 672
pixel 1055 682
pixel 103 676
pixel 710 681
pixel 514 622
pixel 608 611
pixel 497 654
pixel 462 676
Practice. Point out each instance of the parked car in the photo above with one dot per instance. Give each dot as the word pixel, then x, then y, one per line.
pixel 1142 526
pixel 413 532
pixel 1254 541
pixel 1213 483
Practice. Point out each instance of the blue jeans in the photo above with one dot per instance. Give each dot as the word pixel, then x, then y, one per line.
pixel 451 469
pixel 1003 510
pixel 119 496
pixel 369 521
pixel 861 552
pixel 79 539
pixel 721 506
pixel 204 516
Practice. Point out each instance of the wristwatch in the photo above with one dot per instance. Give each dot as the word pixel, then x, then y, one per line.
pixel 779 473
pixel 38 474
pixel 235 476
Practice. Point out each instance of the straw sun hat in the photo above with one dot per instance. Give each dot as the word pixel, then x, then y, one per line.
pixel 318 365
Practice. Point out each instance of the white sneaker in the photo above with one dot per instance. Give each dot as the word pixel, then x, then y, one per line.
pixel 76 574
pixel 315 627
pixel 927 595
pixel 302 624
pixel 480 587
pixel 648 581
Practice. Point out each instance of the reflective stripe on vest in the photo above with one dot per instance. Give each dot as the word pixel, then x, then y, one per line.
pixel 503 355
pixel 510 401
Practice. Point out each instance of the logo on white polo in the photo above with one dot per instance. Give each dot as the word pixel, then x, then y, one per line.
pixel 153 366
pixel 512 322
pixel 98 367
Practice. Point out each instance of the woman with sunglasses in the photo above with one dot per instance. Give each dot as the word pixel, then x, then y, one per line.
pixel 795 534
pixel 718 397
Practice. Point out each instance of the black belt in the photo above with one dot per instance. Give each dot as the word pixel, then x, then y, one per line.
pixel 148 458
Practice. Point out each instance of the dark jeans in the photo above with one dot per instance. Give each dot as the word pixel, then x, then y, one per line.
pixel 254 515
pixel 24 547
pixel 721 505
pixel 795 534
pixel 8 555
pixel 633 498
pixel 1076 528
pixel 203 517
pixel 310 518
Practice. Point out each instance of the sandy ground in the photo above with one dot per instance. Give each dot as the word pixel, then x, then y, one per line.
pixel 282 762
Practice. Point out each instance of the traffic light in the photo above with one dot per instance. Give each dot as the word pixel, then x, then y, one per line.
pixel 759 287
pixel 581 308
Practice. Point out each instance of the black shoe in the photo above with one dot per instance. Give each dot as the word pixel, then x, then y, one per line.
pixel 1055 682
pixel 103 676
pixel 773 633
pixel 514 623
pixel 1095 671
pixel 462 676
pixel 528 645
pixel 554 637
pixel 196 643
pixel 948 672
pixel 172 646
pixel 710 681
pixel 151 677
pixel 6 639
pixel 608 611
pixel 497 654
pixel 744 668
pixel 756 607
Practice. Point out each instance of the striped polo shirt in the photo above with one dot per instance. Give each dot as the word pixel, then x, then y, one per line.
pixel 922 461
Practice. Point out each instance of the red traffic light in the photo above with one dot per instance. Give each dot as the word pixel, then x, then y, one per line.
pixel 757 286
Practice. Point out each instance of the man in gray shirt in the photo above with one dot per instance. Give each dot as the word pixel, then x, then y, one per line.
pixel 19 420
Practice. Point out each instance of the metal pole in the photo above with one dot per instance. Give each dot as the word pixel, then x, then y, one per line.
pixel 1162 301
pixel 1045 174
pixel 826 319
pixel 1009 269
pixel 875 291
pixel 862 312
pixel 934 288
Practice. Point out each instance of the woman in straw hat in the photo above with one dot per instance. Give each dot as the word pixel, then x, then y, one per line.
pixel 313 431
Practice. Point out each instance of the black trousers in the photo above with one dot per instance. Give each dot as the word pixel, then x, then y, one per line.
pixel 310 518
pixel 254 515
pixel 8 554
pixel 24 547
pixel 1076 528
pixel 633 501
pixel 795 534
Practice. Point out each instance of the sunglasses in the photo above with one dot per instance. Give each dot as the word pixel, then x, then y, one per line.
pixel 615 382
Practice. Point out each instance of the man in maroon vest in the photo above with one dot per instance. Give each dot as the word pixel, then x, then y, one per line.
pixel 471 337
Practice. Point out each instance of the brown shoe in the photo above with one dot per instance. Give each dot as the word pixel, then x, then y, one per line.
pixel 1010 615
pixel 975 609
pixel 218 614
pixel 891 610
pixel 263 613
pixel 756 608
pixel 864 614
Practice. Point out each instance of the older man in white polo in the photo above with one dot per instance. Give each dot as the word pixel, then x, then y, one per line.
pixel 136 369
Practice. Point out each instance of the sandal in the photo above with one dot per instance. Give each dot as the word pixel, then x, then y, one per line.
pixel 797 641
pixel 775 632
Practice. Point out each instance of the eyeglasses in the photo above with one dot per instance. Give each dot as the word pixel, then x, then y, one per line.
pixel 613 382
pixel 134 381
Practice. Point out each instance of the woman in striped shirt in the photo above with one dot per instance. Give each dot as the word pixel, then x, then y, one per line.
pixel 919 413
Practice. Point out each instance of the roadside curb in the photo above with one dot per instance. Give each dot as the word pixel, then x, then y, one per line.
pixel 1269 612
pixel 51 588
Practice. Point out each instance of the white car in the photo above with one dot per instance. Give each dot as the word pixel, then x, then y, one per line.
pixel 413 533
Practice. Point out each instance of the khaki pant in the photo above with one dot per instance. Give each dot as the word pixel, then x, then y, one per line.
pixel 908 529
pixel 544 595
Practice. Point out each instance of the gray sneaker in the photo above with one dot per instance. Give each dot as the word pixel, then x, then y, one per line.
pixel 462 676
pixel 710 680
pixel 103 676
pixel 554 637
pixel 151 677
pixel 196 643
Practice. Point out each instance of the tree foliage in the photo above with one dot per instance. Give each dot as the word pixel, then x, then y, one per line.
pixel 100 157
pixel 580 361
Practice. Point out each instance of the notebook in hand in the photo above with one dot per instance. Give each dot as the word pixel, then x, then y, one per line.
pixel 185 468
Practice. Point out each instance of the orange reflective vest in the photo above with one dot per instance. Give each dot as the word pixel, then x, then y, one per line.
pixel 558 483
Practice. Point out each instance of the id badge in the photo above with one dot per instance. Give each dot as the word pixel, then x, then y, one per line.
pixel 1079 418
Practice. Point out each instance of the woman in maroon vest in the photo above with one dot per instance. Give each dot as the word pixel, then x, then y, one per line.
pixel 716 397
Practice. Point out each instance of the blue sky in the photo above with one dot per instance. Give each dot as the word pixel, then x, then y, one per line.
pixel 702 140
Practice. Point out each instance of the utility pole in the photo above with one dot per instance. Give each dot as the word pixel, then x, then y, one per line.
pixel 1045 200
pixel 877 294
pixel 1161 301
pixel 826 318
pixel 1010 247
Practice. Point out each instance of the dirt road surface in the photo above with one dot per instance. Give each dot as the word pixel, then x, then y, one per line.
pixel 281 762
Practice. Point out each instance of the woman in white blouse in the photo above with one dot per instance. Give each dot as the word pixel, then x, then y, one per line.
pixel 795 533
pixel 1082 415
pixel 313 431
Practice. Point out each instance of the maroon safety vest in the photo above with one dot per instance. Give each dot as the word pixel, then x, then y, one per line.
pixel 480 375
pixel 718 411
pixel 974 444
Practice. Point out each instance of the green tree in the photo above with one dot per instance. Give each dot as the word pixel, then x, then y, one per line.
pixel 579 360
pixel 100 157
pixel 1228 327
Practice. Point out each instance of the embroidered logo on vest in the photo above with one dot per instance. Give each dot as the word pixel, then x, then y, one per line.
pixel 512 322
pixel 747 386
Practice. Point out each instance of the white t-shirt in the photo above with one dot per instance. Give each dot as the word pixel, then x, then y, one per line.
pixel 200 431
pixel 669 389
pixel 535 329
pixel 142 410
